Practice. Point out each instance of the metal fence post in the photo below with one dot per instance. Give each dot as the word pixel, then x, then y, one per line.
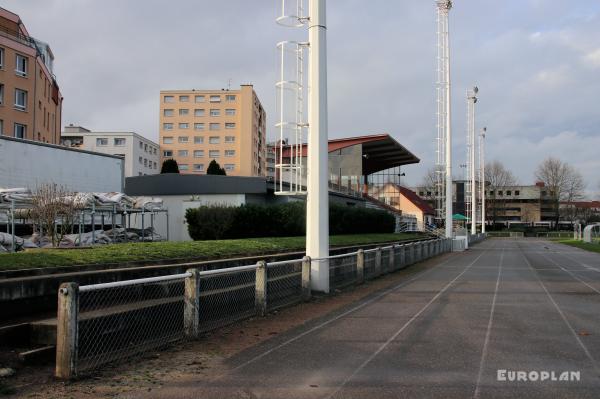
pixel 191 310
pixel 67 331
pixel 360 266
pixel 260 297
pixel 392 259
pixel 378 261
pixel 306 278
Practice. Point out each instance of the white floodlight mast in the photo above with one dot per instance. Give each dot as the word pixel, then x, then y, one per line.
pixel 440 191
pixel 471 184
pixel 317 201
pixel 482 175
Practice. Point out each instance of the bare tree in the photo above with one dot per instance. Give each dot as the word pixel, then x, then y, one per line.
pixel 429 184
pixel 497 178
pixel 54 208
pixel 563 181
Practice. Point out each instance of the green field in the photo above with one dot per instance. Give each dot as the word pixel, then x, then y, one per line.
pixel 158 251
pixel 583 245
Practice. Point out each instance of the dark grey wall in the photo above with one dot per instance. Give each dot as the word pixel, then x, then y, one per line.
pixel 179 184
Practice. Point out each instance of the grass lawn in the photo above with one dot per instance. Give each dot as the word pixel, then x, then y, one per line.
pixel 595 247
pixel 199 250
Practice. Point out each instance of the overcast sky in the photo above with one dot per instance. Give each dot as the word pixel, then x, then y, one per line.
pixel 537 63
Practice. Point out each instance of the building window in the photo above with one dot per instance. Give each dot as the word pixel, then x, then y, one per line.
pixel 230 139
pixel 215 126
pixel 199 112
pixel 169 99
pixel 184 99
pixel 183 139
pixel 145 162
pixel 20 131
pixel 182 153
pixel 200 99
pixel 517 192
pixel 198 167
pixel 167 140
pixel 146 148
pixel 20 99
pixel 140 160
pixel 230 153
pixel 199 154
pixel 167 126
pixel 215 112
pixel 215 99
pixel 198 140
pixel 1 94
pixel 21 64
pixel 155 166
pixel 214 153
pixel 499 192
pixel 198 126
pixel 1 58
pixel 141 145
pixel 119 142
pixel 101 142
pixel 1 127
pixel 167 153
pixel 508 192
pixel 230 112
pixel 229 166
pixel 184 125
pixel 154 150
pixel 184 111
pixel 183 166
pixel 168 112
pixel 230 126
pixel 214 140
pixel 230 97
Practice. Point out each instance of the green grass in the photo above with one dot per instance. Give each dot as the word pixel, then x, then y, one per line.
pixel 159 251
pixel 6 390
pixel 595 247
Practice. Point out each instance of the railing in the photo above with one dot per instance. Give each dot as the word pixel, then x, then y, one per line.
pixel 102 323
pixel 510 234
pixel 555 234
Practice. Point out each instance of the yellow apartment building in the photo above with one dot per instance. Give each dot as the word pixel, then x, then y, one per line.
pixel 30 99
pixel 229 126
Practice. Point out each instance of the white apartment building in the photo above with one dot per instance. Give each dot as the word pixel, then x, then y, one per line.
pixel 142 156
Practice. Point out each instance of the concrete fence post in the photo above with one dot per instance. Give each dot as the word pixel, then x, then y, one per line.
pixel 360 266
pixel 392 259
pixel 306 293
pixel 402 256
pixel 260 296
pixel 67 331
pixel 378 262
pixel 425 250
pixel 191 310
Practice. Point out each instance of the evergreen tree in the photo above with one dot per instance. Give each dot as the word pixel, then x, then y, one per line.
pixel 169 166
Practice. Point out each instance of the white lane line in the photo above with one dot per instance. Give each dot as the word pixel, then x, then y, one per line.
pixel 489 330
pixel 398 332
pixel 566 321
pixel 572 275
pixel 346 313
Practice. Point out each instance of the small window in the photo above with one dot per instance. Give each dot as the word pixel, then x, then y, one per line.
pixel 214 140
pixel 508 192
pixel 146 148
pixel 141 145
pixel 154 151
pixel 182 139
pixel 214 153
pixel 230 97
pixel 198 167
pixel 183 166
pixel 145 162
pixel 199 154
pixel 1 58
pixel 1 127
pixel 20 99
pixel 169 99
pixel 21 65
pixel 230 112
pixel 167 126
pixel 1 94
pixel 230 153
pixel 167 140
pixel 499 192
pixel 230 139
pixel 167 153
pixel 200 99
pixel 184 111
pixel 155 165
pixel 101 142
pixel 20 131
pixel 184 125
pixel 215 99
pixel 229 166
pixel 491 193
pixel 119 142
pixel 215 112
pixel 199 112
pixel 198 140
pixel 230 126
pixel 140 159
pixel 198 126
pixel 215 126
pixel 517 192
pixel 168 112
pixel 182 153
pixel 184 99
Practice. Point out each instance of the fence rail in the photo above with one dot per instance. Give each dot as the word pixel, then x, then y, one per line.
pixel 103 323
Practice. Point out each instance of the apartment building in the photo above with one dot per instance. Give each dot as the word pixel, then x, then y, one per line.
pixel 142 156
pixel 229 126
pixel 30 99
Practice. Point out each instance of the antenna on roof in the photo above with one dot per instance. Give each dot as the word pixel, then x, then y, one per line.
pixel 229 84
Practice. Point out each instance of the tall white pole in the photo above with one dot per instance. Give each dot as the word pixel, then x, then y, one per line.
pixel 482 177
pixel 472 101
pixel 449 191
pixel 317 202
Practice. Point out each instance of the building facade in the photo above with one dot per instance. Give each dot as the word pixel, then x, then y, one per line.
pixel 30 99
pixel 229 126
pixel 142 156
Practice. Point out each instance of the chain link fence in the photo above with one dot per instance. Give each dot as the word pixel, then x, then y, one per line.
pixel 342 270
pixel 284 284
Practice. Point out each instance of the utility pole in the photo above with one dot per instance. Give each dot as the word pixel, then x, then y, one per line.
pixel 471 101
pixel 482 175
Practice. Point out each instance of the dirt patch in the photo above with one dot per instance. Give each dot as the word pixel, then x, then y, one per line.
pixel 190 361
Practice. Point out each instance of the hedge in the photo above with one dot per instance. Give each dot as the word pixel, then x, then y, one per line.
pixel 285 220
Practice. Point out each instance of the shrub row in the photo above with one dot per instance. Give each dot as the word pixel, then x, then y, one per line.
pixel 285 220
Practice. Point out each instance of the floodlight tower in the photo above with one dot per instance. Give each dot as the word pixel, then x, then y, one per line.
pixel 471 185
pixel 482 175
pixel 444 139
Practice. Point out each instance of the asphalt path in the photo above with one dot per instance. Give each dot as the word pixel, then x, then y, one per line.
pixel 508 318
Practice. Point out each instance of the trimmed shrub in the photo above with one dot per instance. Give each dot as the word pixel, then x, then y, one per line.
pixel 285 220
